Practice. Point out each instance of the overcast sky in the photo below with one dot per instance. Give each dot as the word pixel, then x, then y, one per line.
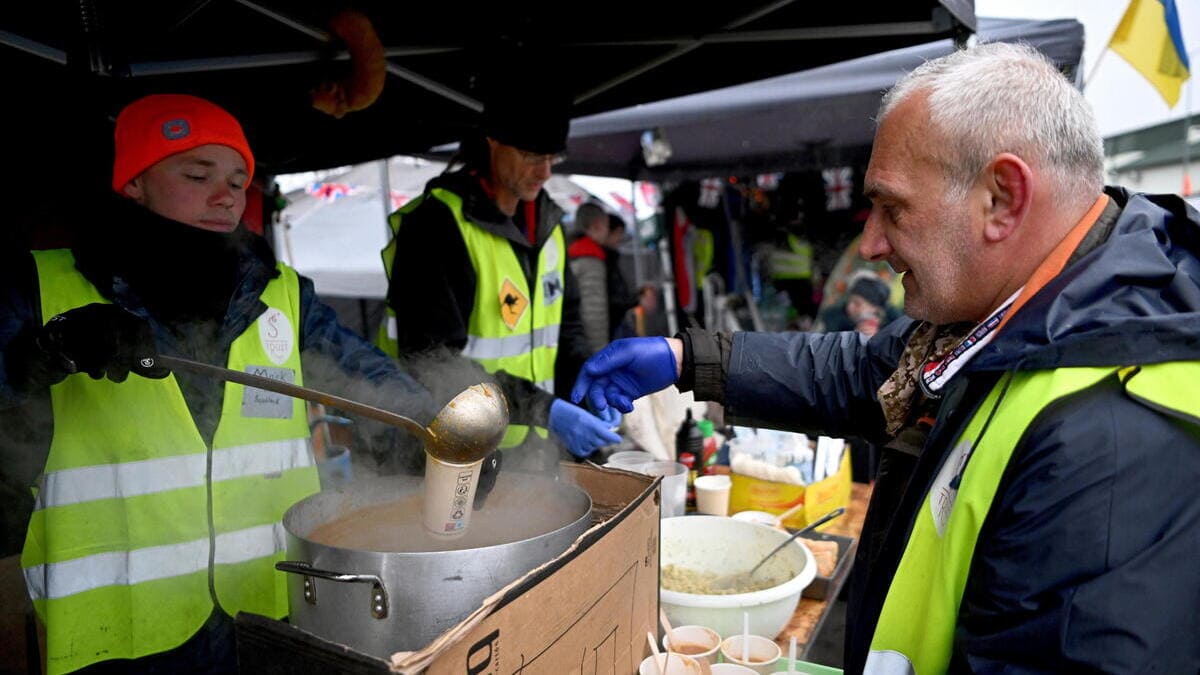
pixel 1122 98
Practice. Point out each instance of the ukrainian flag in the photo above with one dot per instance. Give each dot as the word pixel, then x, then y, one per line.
pixel 1149 38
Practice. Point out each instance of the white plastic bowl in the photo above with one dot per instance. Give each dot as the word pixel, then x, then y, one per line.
pixel 760 517
pixel 727 546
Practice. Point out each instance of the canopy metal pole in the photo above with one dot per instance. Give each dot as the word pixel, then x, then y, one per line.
pixel 637 238
pixel 404 73
pixel 385 193
pixel 668 285
pixel 33 47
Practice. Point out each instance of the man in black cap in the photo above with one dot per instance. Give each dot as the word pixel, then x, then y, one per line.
pixel 477 265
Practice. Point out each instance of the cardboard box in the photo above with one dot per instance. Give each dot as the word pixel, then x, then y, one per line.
pixel 819 498
pixel 587 611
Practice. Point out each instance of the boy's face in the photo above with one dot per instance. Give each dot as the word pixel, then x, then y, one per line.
pixel 204 187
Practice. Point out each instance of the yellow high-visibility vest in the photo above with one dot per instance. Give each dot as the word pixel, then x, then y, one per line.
pixel 512 327
pixel 915 632
pixel 117 554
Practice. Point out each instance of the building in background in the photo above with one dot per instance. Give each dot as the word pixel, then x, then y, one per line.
pixel 1152 159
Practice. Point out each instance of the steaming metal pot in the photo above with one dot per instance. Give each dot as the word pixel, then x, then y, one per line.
pixel 380 602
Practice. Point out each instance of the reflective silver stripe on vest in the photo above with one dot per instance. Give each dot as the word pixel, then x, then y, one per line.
pixel 546 385
pixel 393 330
pixel 149 476
pixel 888 662
pixel 512 345
pixel 125 568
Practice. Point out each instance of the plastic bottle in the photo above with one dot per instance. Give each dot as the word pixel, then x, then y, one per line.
pixel 689 449
pixel 708 452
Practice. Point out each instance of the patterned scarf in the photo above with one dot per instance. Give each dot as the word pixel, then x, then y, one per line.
pixel 900 391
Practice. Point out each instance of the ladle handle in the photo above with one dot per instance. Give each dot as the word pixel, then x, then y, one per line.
pixel 268 384
pixel 379 598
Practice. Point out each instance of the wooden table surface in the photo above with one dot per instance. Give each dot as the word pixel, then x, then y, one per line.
pixel 811 613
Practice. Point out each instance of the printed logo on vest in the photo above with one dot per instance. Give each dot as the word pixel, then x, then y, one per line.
pixel 513 304
pixel 275 333
pixel 552 287
pixel 944 491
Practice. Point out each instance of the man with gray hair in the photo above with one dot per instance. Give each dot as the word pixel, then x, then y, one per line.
pixel 1036 507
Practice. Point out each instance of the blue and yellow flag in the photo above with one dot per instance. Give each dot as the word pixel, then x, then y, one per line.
pixel 1149 38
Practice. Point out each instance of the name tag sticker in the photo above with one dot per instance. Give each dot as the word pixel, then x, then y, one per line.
pixel 268 404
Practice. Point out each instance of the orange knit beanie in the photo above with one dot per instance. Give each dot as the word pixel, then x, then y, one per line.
pixel 155 127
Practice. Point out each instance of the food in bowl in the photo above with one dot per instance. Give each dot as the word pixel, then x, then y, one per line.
pixel 686 580
pixel 724 546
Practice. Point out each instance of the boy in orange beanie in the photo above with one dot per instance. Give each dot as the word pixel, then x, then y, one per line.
pixel 160 496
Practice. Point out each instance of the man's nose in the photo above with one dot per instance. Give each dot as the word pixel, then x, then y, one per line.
pixel 541 170
pixel 874 245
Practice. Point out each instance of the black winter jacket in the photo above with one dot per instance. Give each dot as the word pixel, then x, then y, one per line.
pixel 1089 559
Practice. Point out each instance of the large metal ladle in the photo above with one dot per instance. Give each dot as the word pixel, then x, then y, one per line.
pixel 463 432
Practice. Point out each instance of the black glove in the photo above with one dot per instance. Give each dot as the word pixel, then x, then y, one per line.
pixel 487 478
pixel 97 339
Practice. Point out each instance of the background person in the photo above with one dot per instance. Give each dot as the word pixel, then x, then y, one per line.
pixel 595 263
pixel 478 265
pixel 1039 416
pixel 864 308
pixel 645 319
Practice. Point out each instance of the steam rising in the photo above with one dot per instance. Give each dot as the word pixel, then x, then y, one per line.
pixel 443 373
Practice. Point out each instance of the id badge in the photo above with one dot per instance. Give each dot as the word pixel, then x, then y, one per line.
pixel 268 404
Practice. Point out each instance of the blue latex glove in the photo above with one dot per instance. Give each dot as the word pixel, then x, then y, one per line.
pixel 624 370
pixel 610 416
pixel 581 431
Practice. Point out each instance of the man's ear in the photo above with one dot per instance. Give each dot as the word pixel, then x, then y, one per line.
pixel 1010 192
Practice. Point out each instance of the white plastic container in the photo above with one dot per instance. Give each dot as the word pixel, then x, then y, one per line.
pixel 673 664
pixel 674 485
pixel 712 494
pixel 628 459
pixel 727 546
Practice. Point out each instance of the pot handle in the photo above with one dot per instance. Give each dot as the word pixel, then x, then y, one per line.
pixel 379 598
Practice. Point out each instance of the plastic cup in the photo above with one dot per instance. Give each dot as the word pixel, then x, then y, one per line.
pixel 628 459
pixel 699 642
pixel 677 664
pixel 730 669
pixel 674 485
pixel 712 494
pixel 449 495
pixel 764 653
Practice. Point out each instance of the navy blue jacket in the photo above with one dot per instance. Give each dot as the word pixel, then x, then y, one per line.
pixel 1089 559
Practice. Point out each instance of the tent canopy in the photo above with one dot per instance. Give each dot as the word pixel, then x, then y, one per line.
pixel 76 61
pixel 816 117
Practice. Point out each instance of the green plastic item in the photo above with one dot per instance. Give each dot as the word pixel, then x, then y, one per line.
pixel 706 427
